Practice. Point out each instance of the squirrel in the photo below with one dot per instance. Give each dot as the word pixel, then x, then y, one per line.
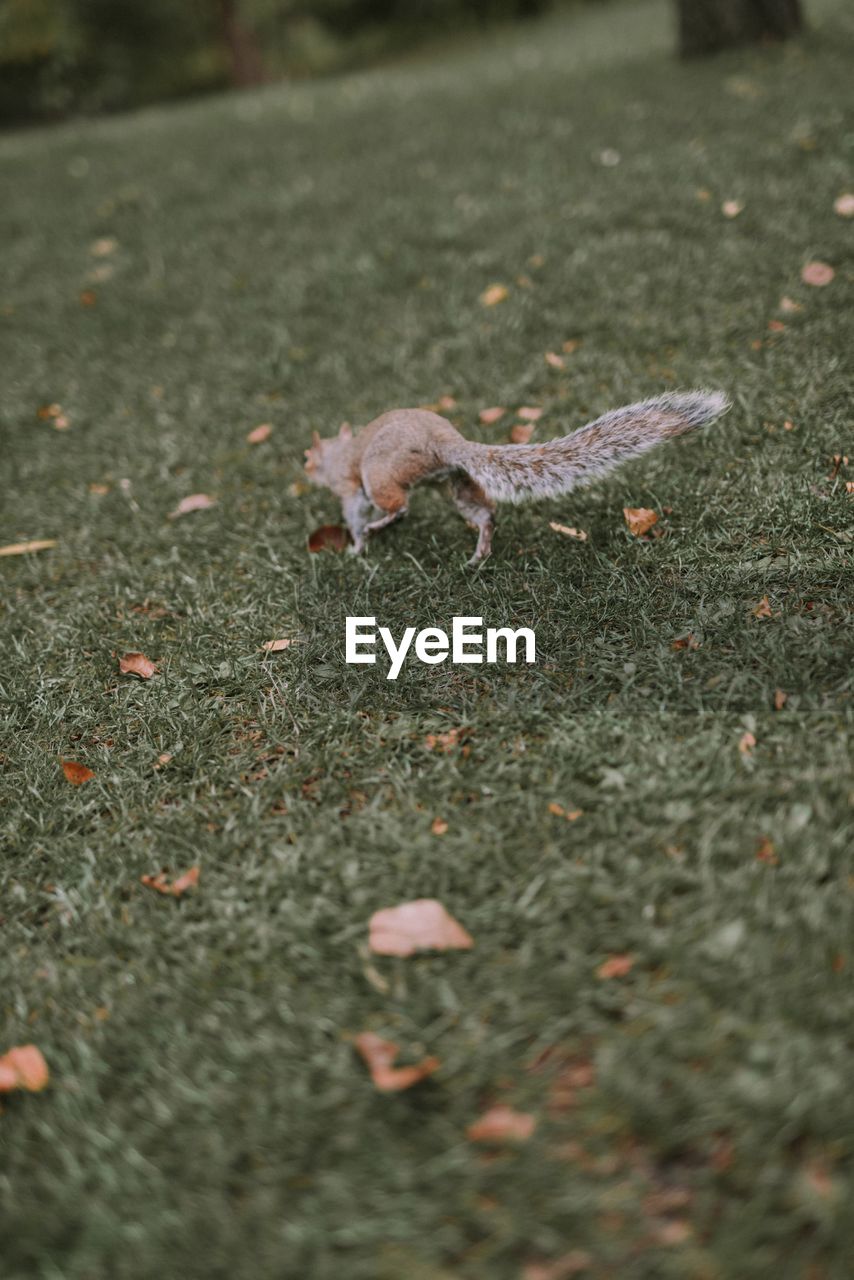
pixel 373 471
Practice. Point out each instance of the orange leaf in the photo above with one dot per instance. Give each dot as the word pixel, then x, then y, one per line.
pixel 193 502
pixel 521 432
pixel 688 641
pixel 776 326
pixel 571 346
pixel 763 609
pixel 639 519
pixel 48 411
pixel 422 925
pixel 24 548
pixel 568 531
pixel 780 699
pixel 493 295
pixel 23 1067
pixel 100 489
pixel 380 1054
pixel 571 815
pixel 329 537
pixel 615 966
pixel 276 646
pixel 76 773
pixel 746 743
pixel 174 888
pixel 259 434
pixel 765 851
pixel 88 298
pixel 488 416
pixel 438 826
pixel 136 664
pixel 502 1124
pixel 844 205
pixel 444 742
pixel 530 413
pixel 818 274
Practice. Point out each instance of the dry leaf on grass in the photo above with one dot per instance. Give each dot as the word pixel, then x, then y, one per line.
pixel 780 699
pixel 329 537
pixel 23 1067
pixel 788 306
pixel 193 502
pixel 88 298
pixel 688 641
pixel 571 815
pixel 554 360
pixel 732 208
pixel 104 247
pixel 818 274
pixel 379 1055
pixel 136 664
pixel 260 433
pixel 445 742
pixel 746 743
pixel 489 416
pixel 763 609
pixel 276 646
pixel 568 531
pixel 776 326
pixel 765 851
pixel 571 346
pixel 438 826
pixel 844 205
pixel 563 1268
pixel 493 295
pixel 639 519
pixel 530 413
pixel 173 888
pixel 502 1124
pixel 615 966
pixel 25 548
pixel 76 773
pixel 422 925
pixel 521 432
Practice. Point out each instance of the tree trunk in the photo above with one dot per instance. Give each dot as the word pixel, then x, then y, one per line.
pixel 247 66
pixel 708 25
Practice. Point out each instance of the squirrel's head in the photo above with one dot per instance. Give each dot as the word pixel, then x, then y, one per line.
pixel 326 457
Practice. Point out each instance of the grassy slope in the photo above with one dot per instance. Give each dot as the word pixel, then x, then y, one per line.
pixel 305 255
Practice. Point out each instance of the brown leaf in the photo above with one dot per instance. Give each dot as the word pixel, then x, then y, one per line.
pixel 329 537
pixel 763 609
pixel 447 403
pixel 25 548
pixel 76 773
pixel 444 742
pixel 818 274
pixel 98 488
pixel 732 208
pixel 422 925
pixel 776 326
pixel 788 306
pixel 136 664
pixel 260 433
pixel 530 413
pixel 563 1268
pixel 521 432
pixel 571 815
pixel 844 205
pixel 493 295
pixel 88 298
pixel 163 759
pixel 489 416
pixel 639 519
pixel 174 888
pixel 746 743
pixel 193 502
pixel 765 851
pixel 23 1067
pixel 104 247
pixel 438 826
pixel 571 346
pixel 780 699
pixel 379 1055
pixel 48 411
pixel 616 966
pixel 568 531
pixel 276 646
pixel 554 360
pixel 502 1124
pixel 688 641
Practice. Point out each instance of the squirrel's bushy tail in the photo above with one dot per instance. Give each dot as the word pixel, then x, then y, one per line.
pixel 520 472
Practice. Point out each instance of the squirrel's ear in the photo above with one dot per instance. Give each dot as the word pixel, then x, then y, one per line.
pixel 345 431
pixel 315 440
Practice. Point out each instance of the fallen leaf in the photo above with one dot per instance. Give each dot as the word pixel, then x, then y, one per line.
pixel 732 208
pixel 788 306
pixel 104 247
pixel 765 851
pixel 568 531
pixel 616 966
pixel 780 699
pixel 521 432
pixel 818 274
pixel 88 298
pixel 23 1067
pixel 163 759
pixel 788 426
pixel 493 295
pixel 609 157
pixel 329 537
pixel 639 519
pixel 688 641
pixel 99 489
pixel 422 925
pixel 260 433
pixel 447 403
pixel 502 1124
pixel 703 194
pixel 379 1055
pixel 174 888
pixel 76 773
pixel 276 646
pixel 193 502
pixel 763 609
pixel 531 413
pixel 776 326
pixel 746 743
pixel 536 261
pixel 556 361
pixel 674 1232
pixel 571 345
pixel 444 742
pixel 48 411
pixel 136 664
pixel 571 815
pixel 24 548
pixel 438 826
pixel 849 487
pixel 563 1268
pixel 488 416
pixel 844 205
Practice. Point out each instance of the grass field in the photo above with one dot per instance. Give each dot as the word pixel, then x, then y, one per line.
pixel 306 255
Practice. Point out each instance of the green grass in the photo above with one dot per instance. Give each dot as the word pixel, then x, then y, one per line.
pixel 305 255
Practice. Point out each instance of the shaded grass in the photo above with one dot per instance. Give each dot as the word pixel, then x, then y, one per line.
pixel 307 255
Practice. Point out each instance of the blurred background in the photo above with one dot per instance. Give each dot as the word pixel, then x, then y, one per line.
pixel 67 57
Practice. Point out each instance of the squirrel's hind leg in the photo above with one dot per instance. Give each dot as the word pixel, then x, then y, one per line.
pixel 477 511
pixel 356 509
